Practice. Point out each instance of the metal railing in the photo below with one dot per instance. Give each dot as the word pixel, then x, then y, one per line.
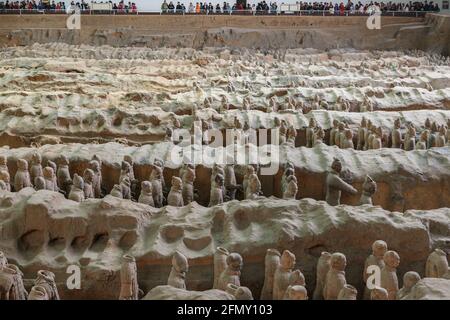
pixel 230 12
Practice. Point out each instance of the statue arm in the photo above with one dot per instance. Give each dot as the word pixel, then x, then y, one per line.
pixel 338 183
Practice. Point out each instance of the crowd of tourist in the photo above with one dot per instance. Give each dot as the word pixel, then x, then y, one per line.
pixel 261 7
pixel 273 8
pixel 121 6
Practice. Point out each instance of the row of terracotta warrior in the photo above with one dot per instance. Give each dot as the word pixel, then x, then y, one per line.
pixel 12 285
pixel 281 281
pixel 153 191
pixel 367 136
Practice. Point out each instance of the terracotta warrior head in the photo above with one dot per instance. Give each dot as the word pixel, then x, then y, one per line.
pixel 180 262
pixel 22 164
pixel 3 160
pixel 63 160
pixel 348 134
pixel 379 248
pixel 78 181
pixel 363 122
pixel 219 180
pixel 88 175
pixel 391 259
pixel 378 293
pixel 234 261
pixel 338 261
pixel 336 165
pixel 94 165
pixel 48 173
pixel 176 182
pixel 36 158
pixel 397 123
pixel 125 166
pixel 146 187
pixel 287 260
pixel 4 176
pixel 410 279
pixel 296 292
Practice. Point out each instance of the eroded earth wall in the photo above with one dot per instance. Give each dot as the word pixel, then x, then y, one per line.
pixel 430 33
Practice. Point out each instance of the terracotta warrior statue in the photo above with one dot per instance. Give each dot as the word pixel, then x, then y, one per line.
pixel 379 248
pixel 127 158
pixel 441 137
pixel 348 292
pixel 63 174
pixel 396 135
pixel 347 141
pixel 296 293
pixel 389 280
pixel 36 166
pixel 230 184
pixel 272 261
pixel 3 186
pixel 410 140
pixel 422 143
pixel 157 188
pixel 50 179
pixel 39 183
pixel 125 171
pixel 146 195
pixel 175 197
pixel 291 188
pixel 38 293
pixel 3 163
pixel 319 136
pixel 335 184
pixel 88 178
pixel 239 293
pixel 254 187
pixel 46 280
pixel 177 275
pixel 437 264
pixel 97 181
pixel 116 191
pixel 4 176
pixel 125 186
pixel 289 170
pixel 188 178
pixel 129 289
pixel 216 194
pixel 339 135
pixel 335 279
pixel 220 264
pixel 410 279
pixel 11 282
pixel 368 134
pixel 379 293
pixel 52 165
pixel 323 266
pixel 77 190
pixel 291 135
pixel 361 134
pixel 333 132
pixel 232 272
pixel 22 177
pixel 310 132
pixel 282 274
pixel 369 188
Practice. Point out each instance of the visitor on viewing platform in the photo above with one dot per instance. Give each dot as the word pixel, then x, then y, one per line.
pixel 164 7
